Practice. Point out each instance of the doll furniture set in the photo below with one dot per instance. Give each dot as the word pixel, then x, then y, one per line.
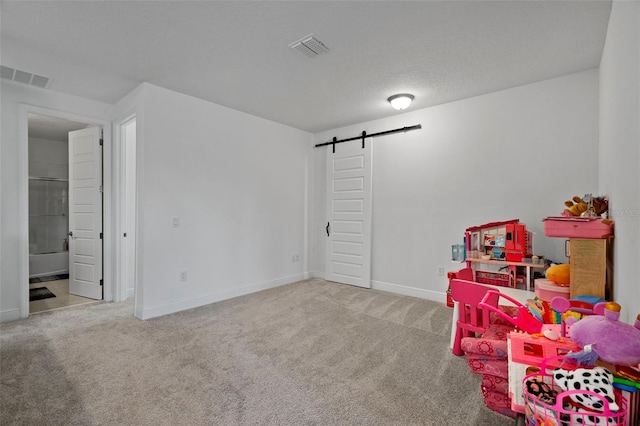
pixel 506 246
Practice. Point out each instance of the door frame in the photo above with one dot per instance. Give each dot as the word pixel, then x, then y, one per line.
pixel 121 222
pixel 23 198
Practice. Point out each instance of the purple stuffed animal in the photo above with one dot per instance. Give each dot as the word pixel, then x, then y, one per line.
pixel 613 341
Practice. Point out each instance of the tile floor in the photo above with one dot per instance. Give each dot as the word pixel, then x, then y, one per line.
pixel 62 300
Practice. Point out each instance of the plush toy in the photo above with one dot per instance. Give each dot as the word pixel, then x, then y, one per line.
pixel 612 341
pixel 600 205
pixel 576 206
pixel 559 274
pixel 598 380
pixel 588 205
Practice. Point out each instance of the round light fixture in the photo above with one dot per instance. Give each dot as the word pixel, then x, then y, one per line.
pixel 400 101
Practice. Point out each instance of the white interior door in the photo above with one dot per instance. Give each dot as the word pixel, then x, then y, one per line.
pixel 85 213
pixel 349 204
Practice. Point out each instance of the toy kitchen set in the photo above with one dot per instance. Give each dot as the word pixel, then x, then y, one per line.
pixel 507 249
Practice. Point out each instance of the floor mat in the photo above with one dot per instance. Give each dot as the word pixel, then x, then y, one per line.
pixel 39 294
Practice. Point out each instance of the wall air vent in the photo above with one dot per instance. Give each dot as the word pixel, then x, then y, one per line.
pixel 309 46
pixel 23 77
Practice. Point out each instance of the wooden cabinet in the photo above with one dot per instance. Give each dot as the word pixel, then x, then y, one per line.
pixel 591 267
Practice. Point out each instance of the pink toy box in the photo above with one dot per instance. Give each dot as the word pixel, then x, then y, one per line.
pixel 526 350
pixel 577 227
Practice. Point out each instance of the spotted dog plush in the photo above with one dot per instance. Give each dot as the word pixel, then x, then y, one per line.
pixel 585 418
pixel 598 380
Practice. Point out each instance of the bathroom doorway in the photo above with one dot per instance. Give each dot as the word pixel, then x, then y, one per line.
pixel 49 212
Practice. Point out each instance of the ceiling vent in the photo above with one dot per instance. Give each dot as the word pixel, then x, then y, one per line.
pixel 23 77
pixel 309 46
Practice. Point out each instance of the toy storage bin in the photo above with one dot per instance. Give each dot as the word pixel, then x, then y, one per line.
pixel 547 290
pixel 576 227
pixel 500 279
pixel 541 413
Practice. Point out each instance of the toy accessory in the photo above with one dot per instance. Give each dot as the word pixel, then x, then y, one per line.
pixel 559 274
pixel 525 321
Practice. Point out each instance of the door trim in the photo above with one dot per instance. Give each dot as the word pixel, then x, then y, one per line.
pixel 120 206
pixel 23 198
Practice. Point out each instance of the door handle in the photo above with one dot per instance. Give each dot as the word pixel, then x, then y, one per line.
pixel 70 234
pixel 328 225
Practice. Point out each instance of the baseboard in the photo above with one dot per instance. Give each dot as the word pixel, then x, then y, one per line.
pixel 435 296
pixel 48 274
pixel 216 297
pixel 317 274
pixel 130 293
pixel 10 315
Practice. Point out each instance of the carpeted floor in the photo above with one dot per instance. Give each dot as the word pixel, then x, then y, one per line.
pixel 308 353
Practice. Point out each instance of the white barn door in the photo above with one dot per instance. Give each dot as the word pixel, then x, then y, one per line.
pixel 85 213
pixel 348 230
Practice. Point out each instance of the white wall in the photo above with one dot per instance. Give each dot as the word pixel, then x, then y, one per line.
pixel 13 181
pixel 48 204
pixel 48 158
pixel 237 185
pixel 620 147
pixel 517 153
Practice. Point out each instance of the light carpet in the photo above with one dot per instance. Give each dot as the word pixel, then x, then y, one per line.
pixel 308 353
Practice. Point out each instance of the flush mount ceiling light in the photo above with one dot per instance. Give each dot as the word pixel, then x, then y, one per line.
pixel 400 101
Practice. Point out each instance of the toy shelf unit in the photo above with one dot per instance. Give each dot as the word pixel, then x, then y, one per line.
pixel 517 275
pixel 503 248
pixel 589 249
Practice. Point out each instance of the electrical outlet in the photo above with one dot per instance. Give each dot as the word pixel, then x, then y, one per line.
pixel 440 270
pixel 176 222
pixel 183 275
pixel 295 258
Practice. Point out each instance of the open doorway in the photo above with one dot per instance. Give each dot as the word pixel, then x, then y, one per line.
pixel 50 197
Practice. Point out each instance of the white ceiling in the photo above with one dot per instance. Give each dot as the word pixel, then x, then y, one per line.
pixel 235 53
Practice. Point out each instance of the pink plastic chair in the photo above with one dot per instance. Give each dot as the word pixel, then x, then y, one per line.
pixel 471 318
pixel 465 274
pixel 483 341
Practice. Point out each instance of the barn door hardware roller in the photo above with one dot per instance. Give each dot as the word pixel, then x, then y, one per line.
pixel 364 135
